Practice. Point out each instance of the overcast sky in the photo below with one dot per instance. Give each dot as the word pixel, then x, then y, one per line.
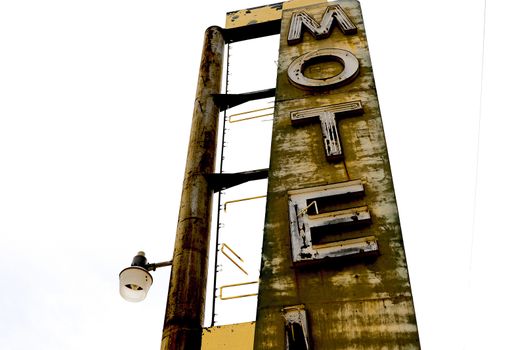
pixel 96 99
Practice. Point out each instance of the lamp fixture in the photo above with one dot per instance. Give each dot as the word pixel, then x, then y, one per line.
pixel 136 280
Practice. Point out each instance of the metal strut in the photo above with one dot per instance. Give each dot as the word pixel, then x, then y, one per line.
pixel 225 101
pixel 222 181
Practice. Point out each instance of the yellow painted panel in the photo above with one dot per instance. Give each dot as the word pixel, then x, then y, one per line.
pixel 229 337
pixel 267 13
pixel 300 3
pixel 255 15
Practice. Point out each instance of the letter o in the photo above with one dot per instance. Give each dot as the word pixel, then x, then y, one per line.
pixel 346 58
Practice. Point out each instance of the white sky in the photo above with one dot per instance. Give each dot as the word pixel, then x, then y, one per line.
pixel 96 99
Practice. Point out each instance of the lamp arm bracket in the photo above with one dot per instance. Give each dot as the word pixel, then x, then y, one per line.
pixel 154 266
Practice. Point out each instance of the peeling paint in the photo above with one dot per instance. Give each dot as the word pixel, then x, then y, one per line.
pixel 254 15
pixel 353 300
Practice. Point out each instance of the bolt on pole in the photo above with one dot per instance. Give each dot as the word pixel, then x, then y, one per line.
pixel 187 290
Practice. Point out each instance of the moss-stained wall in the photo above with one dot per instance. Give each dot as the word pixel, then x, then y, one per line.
pixel 351 302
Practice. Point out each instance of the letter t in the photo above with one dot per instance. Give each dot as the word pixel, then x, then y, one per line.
pixel 327 116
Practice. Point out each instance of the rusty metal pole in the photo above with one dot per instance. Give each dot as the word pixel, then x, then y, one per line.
pixel 187 289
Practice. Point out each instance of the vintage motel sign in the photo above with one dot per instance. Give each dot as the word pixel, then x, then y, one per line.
pixel 333 269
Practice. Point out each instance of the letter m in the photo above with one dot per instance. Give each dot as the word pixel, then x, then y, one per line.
pixel 301 19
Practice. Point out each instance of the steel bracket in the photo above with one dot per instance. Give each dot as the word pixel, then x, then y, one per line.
pixel 222 181
pixel 225 101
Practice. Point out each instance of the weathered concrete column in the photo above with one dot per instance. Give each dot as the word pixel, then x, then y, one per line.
pixel 187 290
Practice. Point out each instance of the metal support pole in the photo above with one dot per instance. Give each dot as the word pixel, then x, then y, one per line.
pixel 187 290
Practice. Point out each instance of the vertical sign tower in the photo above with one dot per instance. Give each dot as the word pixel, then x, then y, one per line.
pixel 333 270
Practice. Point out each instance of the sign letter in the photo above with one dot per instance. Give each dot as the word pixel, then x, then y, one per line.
pixel 319 31
pixel 345 58
pixel 327 116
